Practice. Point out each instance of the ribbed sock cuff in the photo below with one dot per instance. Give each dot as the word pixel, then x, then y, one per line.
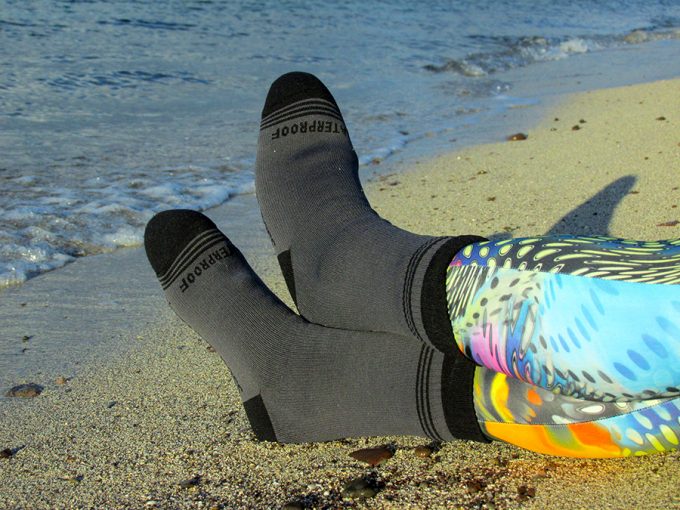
pixel 458 375
pixel 434 316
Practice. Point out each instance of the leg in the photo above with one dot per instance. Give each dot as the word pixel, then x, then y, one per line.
pixel 536 419
pixel 304 382
pixel 596 318
pixel 348 268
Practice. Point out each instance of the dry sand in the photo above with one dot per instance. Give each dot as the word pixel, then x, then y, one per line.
pixel 162 427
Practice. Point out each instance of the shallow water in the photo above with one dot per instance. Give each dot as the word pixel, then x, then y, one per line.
pixel 111 111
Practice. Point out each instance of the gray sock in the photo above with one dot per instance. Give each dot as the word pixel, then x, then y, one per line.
pixel 344 265
pixel 301 381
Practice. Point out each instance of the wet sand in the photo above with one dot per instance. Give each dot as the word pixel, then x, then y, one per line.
pixel 161 426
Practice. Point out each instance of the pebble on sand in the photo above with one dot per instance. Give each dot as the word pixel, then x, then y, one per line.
pixel 61 380
pixel 517 137
pixel 373 456
pixel 25 390
pixel 361 488
pixel 525 492
pixel 74 479
pixel 423 451
pixel 6 453
pixel 293 505
pixel 191 482
pixel 474 486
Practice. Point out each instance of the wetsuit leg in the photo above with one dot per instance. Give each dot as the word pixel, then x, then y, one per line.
pixel 531 417
pixel 596 318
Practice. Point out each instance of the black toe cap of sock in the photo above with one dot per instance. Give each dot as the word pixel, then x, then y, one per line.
pixel 293 87
pixel 168 233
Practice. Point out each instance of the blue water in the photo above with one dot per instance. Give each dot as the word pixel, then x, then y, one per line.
pixel 111 111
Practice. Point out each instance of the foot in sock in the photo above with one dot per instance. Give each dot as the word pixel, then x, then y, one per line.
pixel 301 381
pixel 345 266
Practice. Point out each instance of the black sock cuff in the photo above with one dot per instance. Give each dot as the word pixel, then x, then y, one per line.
pixel 434 308
pixel 458 375
pixel 458 372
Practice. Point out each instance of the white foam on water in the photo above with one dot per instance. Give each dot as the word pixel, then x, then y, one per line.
pixel 56 227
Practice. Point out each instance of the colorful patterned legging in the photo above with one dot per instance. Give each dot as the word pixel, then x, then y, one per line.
pixel 578 339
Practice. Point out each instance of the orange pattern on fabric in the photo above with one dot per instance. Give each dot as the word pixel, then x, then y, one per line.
pixel 534 397
pixel 586 440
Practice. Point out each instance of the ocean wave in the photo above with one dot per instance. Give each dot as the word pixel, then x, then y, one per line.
pixel 49 227
pixel 119 79
pixel 150 24
pixel 513 52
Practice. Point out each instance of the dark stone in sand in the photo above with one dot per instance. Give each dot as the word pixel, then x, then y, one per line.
pixel 293 505
pixel 373 456
pixel 26 338
pixel 474 486
pixel 517 137
pixel 525 492
pixel 302 502
pixel 25 390
pixel 6 453
pixel 575 128
pixel 501 461
pixel 191 482
pixel 661 118
pixel 361 488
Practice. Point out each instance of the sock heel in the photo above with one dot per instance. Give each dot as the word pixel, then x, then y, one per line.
pixel 259 419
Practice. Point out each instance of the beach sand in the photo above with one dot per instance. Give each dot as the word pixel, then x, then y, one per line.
pixel 161 426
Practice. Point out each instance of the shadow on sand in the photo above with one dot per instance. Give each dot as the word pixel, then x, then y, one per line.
pixel 592 217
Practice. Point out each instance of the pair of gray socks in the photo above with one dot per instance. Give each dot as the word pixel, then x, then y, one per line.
pixel 372 352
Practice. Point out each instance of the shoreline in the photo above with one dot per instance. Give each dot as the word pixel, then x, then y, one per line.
pixel 135 430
